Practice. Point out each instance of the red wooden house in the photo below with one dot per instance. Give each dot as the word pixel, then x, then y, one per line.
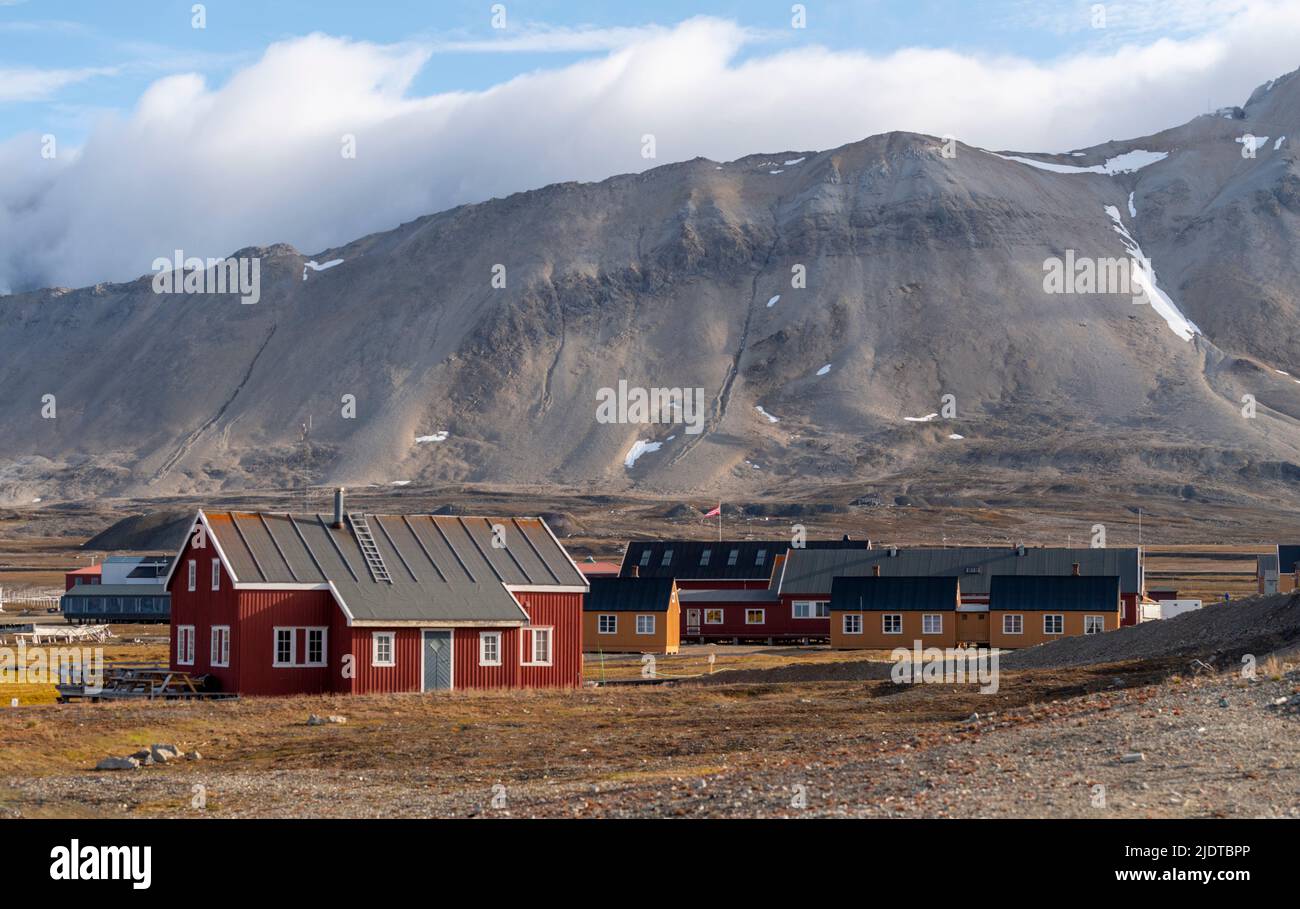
pixel 353 603
pixel 729 588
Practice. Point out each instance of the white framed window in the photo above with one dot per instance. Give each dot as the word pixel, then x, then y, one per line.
pixel 284 647
pixel 1094 624
pixel 645 624
pixel 713 617
pixel 185 644
pixel 220 652
pixel 852 624
pixel 489 648
pixel 892 623
pixel 537 646
pixel 607 623
pixel 382 648
pixel 755 616
pixel 811 609
pixel 315 647
pixel 932 623
pixel 193 575
pixel 216 574
pixel 1054 624
pixel 1013 624
pixel 314 651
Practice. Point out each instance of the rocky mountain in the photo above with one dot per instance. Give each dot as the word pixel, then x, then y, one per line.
pixel 826 304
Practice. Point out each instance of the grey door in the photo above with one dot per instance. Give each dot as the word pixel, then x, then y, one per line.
pixel 437 660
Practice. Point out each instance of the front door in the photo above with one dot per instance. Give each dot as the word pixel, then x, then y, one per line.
pixel 437 660
pixel 692 621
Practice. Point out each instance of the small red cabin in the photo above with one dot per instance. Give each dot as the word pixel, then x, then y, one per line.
pixel 353 603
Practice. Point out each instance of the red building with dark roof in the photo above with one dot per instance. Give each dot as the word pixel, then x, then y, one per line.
pixel 352 603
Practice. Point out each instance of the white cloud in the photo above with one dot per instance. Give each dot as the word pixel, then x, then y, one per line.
pixel 256 161
pixel 31 84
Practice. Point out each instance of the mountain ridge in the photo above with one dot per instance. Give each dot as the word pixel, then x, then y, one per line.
pixel 924 279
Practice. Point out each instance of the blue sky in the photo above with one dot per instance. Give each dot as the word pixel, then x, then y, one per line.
pixel 119 48
pixel 167 137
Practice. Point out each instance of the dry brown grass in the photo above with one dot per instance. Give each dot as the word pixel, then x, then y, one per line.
pixel 467 739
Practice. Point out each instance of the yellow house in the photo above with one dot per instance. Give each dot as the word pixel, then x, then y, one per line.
pixel 631 615
pixel 881 613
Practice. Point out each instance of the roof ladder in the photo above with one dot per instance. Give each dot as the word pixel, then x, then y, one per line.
pixel 375 561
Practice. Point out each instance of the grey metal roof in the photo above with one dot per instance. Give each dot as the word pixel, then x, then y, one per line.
pixel 442 568
pixel 1054 594
pixel 696 560
pixel 1287 557
pixel 894 594
pixel 811 571
pixel 629 595
pixel 117 590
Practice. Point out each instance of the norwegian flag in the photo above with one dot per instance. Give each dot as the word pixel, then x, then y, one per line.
pixel 716 511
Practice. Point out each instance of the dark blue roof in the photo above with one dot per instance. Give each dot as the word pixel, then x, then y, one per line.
pixel 1287 557
pixel 894 594
pixel 1054 593
pixel 628 595
pixel 729 560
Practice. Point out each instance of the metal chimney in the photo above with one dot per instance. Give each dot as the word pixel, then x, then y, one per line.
pixel 875 571
pixel 338 508
pixel 1075 569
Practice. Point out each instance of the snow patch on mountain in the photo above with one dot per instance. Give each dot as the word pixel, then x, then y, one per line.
pixel 1144 275
pixel 316 266
pixel 640 447
pixel 1126 163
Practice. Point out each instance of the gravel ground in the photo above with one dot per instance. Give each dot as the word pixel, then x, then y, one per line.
pixel 1210 746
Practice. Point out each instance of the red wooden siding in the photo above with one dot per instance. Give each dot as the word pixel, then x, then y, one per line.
pixel 1129 610
pixel 260 613
pixel 778 621
pixel 405 676
pixel 204 607
pixel 562 612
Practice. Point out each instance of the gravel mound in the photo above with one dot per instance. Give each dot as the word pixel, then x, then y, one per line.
pixel 1259 625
